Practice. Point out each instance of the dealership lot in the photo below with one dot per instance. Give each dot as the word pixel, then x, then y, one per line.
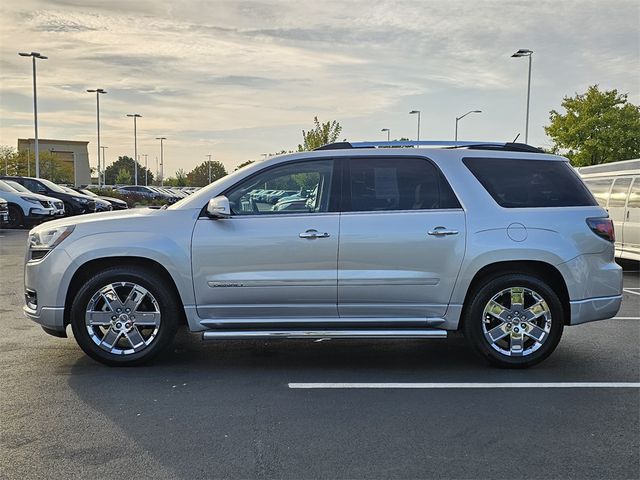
pixel 243 409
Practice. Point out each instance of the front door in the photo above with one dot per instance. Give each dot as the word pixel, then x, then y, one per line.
pixel 266 261
pixel 402 239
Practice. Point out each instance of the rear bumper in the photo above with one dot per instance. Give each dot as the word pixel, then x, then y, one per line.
pixel 592 309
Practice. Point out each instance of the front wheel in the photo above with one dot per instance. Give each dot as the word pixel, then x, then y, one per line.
pixel 124 316
pixel 514 320
pixel 16 218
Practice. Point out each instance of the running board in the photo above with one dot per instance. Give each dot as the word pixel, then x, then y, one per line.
pixel 313 323
pixel 312 334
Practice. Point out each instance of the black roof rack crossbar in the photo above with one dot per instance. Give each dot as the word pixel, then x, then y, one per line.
pixel 504 146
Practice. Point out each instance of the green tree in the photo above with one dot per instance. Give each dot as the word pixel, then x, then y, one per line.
pixel 113 171
pixel 181 178
pixel 598 127
pixel 244 164
pixel 169 182
pixel 123 178
pixel 199 176
pixel 24 164
pixel 321 134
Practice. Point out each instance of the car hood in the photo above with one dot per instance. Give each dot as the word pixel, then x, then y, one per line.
pixel 116 219
pixel 44 198
pixel 112 199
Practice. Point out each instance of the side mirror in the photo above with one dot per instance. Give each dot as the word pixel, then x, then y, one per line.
pixel 219 207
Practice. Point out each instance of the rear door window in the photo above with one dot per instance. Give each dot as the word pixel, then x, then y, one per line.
pixel 619 192
pixel 634 196
pixel 518 183
pixel 382 184
pixel 600 188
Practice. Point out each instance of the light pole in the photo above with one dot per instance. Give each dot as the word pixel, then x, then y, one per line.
pixel 162 139
pixel 209 162
pixel 33 56
pixel 98 91
pixel 525 52
pixel 461 117
pixel 146 170
pixel 413 112
pixel 104 165
pixel 388 133
pixel 135 117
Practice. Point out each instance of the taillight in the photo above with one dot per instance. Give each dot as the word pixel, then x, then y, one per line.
pixel 603 227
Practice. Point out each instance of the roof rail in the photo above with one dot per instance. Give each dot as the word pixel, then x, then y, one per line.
pixel 504 146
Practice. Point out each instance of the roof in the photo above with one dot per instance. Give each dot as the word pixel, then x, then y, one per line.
pixel 624 166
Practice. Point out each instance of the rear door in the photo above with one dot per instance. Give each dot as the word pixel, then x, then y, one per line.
pixel 402 239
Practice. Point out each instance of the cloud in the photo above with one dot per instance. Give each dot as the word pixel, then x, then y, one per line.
pixel 246 77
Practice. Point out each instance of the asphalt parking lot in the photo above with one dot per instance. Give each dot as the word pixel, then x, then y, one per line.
pixel 228 410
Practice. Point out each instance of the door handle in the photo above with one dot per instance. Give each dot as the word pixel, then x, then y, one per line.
pixel 311 234
pixel 441 232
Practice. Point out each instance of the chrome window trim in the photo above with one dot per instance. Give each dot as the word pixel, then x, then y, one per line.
pixel 389 212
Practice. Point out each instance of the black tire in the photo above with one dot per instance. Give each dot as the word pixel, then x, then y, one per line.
pixel 474 319
pixel 164 296
pixel 16 218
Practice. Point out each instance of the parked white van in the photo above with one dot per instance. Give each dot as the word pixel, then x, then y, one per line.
pixel 616 187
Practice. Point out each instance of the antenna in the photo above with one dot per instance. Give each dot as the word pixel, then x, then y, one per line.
pixel 514 140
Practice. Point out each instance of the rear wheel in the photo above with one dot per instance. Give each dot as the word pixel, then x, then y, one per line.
pixel 514 320
pixel 124 316
pixel 16 218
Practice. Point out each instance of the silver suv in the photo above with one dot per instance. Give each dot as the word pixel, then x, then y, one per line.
pixel 500 241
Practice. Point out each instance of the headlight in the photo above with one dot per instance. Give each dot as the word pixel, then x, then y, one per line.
pixel 47 238
pixel 31 199
pixel 81 200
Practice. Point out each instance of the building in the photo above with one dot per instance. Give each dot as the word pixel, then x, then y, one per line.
pixel 74 152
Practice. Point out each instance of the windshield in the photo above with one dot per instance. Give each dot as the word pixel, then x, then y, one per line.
pixel 53 186
pixel 17 186
pixel 88 192
pixel 69 190
pixel 5 187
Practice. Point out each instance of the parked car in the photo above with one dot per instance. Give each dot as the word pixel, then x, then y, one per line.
pixel 74 203
pixel 101 205
pixel 116 203
pixel 4 212
pixel 141 190
pixel 274 198
pixel 616 187
pixel 58 205
pixel 26 209
pixel 500 241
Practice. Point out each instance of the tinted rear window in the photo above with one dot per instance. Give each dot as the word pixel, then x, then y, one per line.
pixel 517 183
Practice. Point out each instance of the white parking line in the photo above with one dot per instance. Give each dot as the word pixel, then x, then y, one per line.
pixel 628 290
pixel 469 385
pixel 625 318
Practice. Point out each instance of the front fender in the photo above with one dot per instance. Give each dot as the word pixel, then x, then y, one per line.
pixel 173 253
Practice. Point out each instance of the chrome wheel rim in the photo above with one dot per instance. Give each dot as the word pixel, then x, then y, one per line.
pixel 122 318
pixel 516 321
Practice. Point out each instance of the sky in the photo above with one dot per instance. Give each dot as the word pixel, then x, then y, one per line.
pixel 238 79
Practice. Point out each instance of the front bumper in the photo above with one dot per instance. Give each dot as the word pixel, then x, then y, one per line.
pixel 592 309
pixel 46 282
pixel 39 214
pixel 49 318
